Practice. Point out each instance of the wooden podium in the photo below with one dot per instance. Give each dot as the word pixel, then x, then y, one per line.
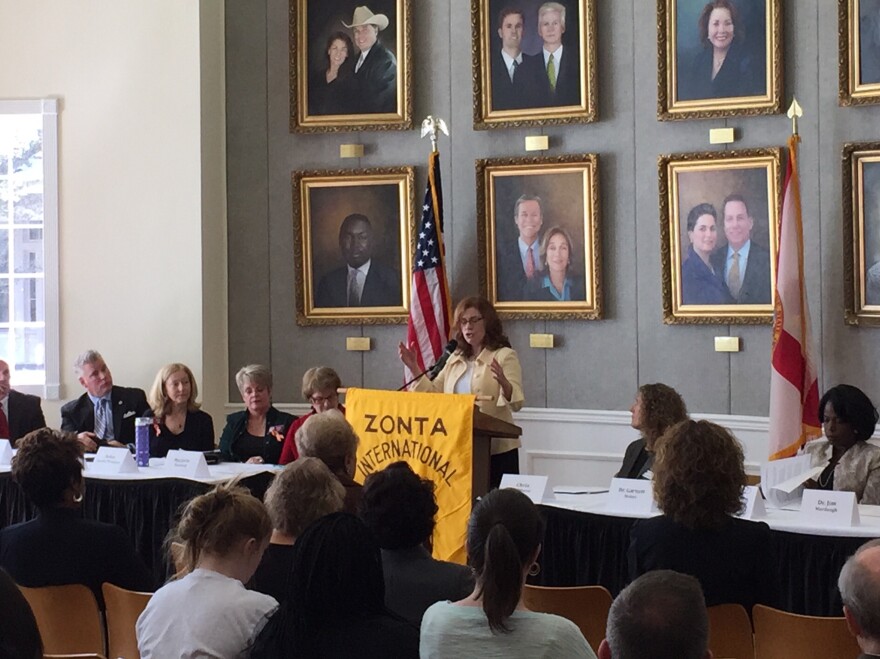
pixel 485 428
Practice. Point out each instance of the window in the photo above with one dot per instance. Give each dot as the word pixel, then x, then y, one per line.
pixel 29 244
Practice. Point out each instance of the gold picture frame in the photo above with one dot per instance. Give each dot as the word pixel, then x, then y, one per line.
pixel 373 95
pixel 345 219
pixel 729 197
pixel 749 81
pixel 525 193
pixel 858 34
pixel 861 233
pixel 524 97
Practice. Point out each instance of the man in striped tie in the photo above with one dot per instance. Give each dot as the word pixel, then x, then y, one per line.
pixel 105 414
pixel 520 262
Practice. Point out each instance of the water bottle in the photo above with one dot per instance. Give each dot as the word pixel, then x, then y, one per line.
pixel 142 441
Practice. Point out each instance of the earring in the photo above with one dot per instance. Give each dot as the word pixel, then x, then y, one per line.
pixel 535 569
pixel 78 497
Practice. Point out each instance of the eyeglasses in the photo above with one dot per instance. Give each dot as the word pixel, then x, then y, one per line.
pixel 470 322
pixel 318 401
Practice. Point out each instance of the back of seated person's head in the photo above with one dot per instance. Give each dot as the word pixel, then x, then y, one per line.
pixel 699 474
pixel 398 507
pixel 336 575
pixel 227 521
pixel 661 615
pixel 302 492
pixel 19 636
pixel 859 585
pixel 504 538
pixel 661 408
pixel 330 438
pixel 48 467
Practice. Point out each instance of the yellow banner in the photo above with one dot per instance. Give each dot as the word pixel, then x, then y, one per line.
pixel 430 432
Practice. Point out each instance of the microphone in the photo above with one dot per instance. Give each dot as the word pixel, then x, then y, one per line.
pixel 434 371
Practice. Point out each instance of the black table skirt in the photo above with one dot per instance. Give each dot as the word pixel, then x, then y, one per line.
pixel 585 549
pixel 146 509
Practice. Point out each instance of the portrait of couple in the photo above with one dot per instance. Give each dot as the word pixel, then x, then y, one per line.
pixel 350 61
pixel 351 238
pixel 536 59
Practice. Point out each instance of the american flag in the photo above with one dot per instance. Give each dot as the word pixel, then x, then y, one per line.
pixel 794 391
pixel 429 309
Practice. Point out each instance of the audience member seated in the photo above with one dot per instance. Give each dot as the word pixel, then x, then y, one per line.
pixel 335 604
pixel 399 508
pixel 319 387
pixel 330 438
pixel 656 408
pixel 859 586
pixel 255 434
pixel 206 611
pixel 301 493
pixel 19 413
pixel 19 636
pixel 105 414
pixel 851 463
pixel 698 483
pixel 59 547
pixel 178 422
pixel 661 615
pixel 503 541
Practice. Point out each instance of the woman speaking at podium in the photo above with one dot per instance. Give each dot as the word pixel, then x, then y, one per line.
pixel 483 364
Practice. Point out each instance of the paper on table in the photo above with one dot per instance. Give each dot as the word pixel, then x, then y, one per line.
pixel 777 472
pixel 795 482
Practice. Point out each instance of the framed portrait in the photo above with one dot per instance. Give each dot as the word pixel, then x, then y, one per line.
pixel 858 28
pixel 861 232
pixel 350 65
pixel 718 58
pixel 719 232
pixel 353 245
pixel 534 62
pixel 539 237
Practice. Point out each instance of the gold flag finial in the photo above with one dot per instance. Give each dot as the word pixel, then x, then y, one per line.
pixel 431 126
pixel 794 111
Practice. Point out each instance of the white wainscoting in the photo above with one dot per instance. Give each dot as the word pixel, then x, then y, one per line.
pixel 585 447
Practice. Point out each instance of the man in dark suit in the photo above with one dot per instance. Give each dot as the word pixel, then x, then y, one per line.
pixel 744 265
pixel 519 262
pixel 363 281
pixel 859 586
pixel 514 74
pixel 19 413
pixel 105 414
pixel 375 72
pixel 560 82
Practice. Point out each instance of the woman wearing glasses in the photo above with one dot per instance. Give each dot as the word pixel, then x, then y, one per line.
pixel 319 388
pixel 255 434
pixel 484 364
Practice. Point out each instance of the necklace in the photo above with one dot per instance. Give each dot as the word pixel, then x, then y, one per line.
pixel 829 474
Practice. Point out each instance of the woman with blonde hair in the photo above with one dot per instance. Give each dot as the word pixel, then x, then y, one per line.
pixel 178 423
pixel 207 612
pixel 319 385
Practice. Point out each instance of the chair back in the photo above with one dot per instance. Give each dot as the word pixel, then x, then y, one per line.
pixel 585 606
pixel 782 635
pixel 122 608
pixel 730 632
pixel 68 618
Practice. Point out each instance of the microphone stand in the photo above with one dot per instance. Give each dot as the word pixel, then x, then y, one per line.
pixel 423 373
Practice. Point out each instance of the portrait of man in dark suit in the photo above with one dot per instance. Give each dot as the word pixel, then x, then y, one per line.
pixel 519 261
pixel 363 281
pixel 514 73
pixel 375 69
pixel 19 413
pixel 560 68
pixel 743 264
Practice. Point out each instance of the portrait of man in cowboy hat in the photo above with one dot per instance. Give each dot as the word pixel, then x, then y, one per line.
pixel 375 68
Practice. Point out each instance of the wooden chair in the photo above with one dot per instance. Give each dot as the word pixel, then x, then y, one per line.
pixel 781 635
pixel 585 606
pixel 122 608
pixel 68 618
pixel 730 632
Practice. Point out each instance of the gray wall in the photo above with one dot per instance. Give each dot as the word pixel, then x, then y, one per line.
pixel 600 363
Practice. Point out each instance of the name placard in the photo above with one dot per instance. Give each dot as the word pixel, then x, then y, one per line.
pixel 187 464
pixel 632 496
pixel 113 460
pixel 754 503
pixel 532 486
pixel 830 508
pixel 5 452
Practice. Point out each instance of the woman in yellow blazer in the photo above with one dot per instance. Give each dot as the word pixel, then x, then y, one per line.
pixel 484 364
